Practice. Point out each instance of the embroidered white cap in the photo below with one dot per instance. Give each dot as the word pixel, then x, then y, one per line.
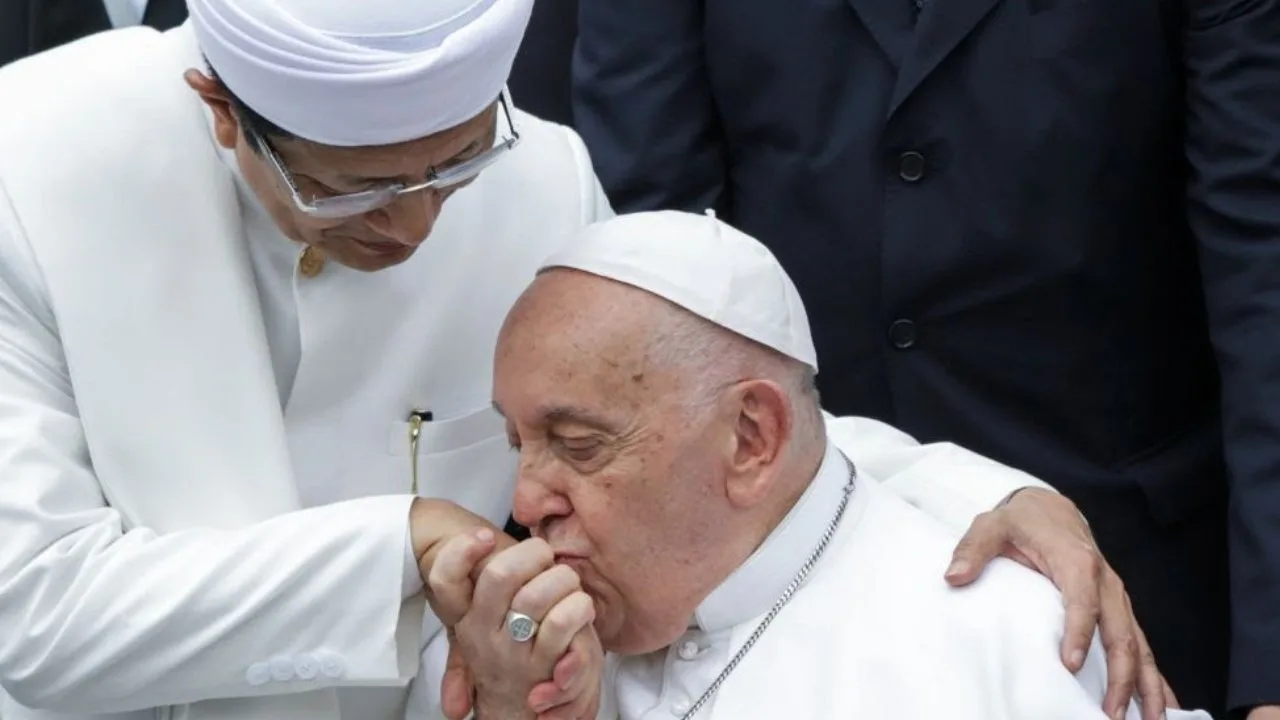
pixel 367 72
pixel 703 265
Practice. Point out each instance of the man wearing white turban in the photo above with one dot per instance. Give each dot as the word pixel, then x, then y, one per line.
pixel 214 415
pixel 229 449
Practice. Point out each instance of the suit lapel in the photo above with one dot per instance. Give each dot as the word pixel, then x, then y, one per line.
pixel 943 24
pixel 891 24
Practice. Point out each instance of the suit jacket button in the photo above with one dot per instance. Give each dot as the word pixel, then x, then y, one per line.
pixel 911 166
pixel 902 334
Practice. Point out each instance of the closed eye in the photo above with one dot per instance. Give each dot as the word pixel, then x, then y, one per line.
pixel 580 449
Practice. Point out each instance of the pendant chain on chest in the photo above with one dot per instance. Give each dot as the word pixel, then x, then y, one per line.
pixel 785 598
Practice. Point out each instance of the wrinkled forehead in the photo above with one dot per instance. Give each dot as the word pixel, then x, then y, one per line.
pixel 568 342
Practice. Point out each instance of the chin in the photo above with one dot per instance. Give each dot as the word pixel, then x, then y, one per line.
pixel 372 263
pixel 633 641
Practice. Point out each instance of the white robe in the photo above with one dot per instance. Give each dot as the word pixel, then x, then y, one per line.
pixel 173 542
pixel 875 632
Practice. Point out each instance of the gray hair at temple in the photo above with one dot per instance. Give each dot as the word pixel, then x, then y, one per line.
pixel 711 358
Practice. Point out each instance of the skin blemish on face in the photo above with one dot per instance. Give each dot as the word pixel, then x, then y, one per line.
pixel 637 378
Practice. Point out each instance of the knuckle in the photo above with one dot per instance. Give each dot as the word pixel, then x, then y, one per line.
pixel 496 573
pixel 1123 648
pixel 565 576
pixel 1091 562
pixel 558 623
pixel 438 581
pixel 1117 586
pixel 541 549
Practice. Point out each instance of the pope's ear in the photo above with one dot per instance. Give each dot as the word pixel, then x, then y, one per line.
pixel 761 429
pixel 226 128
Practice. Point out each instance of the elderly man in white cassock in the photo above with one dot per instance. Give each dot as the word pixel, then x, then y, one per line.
pixel 252 272
pixel 737 552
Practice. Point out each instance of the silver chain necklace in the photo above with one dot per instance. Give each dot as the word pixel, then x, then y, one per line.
pixel 786 594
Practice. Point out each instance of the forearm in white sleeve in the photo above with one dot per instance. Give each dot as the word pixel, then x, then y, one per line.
pixel 946 481
pixel 99 618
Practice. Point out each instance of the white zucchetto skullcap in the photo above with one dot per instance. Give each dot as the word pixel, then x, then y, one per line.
pixel 703 265
pixel 362 72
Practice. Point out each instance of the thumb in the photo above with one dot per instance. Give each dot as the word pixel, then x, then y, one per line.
pixel 979 546
pixel 456 688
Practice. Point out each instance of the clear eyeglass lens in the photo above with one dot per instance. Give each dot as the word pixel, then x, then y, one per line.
pixel 354 204
pixel 340 206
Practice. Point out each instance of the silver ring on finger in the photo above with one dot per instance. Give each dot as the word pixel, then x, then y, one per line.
pixel 521 627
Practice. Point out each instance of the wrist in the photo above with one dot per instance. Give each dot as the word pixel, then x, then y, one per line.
pixel 428 526
pixel 488 709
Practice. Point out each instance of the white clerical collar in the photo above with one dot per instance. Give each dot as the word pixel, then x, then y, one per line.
pixel 758 583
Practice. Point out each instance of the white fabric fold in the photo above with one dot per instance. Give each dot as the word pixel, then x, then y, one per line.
pixel 374 72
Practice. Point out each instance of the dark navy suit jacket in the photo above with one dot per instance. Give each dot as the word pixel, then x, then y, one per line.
pixel 1045 229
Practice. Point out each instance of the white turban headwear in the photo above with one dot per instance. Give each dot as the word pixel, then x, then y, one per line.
pixel 362 72
pixel 702 264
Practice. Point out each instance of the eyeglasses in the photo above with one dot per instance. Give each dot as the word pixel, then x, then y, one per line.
pixel 324 206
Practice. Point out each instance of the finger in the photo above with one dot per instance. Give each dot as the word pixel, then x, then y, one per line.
pixel 982 543
pixel 456 694
pixel 540 594
pixel 1118 628
pixel 456 689
pixel 449 584
pixel 575 692
pixel 1170 700
pixel 545 697
pixel 567 680
pixel 565 712
pixel 1153 691
pixel 503 576
pixel 569 617
pixel 1079 580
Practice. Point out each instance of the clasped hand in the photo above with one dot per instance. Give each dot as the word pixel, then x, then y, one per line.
pixel 476 579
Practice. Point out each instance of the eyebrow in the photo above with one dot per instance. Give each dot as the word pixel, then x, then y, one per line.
pixel 363 179
pixel 553 414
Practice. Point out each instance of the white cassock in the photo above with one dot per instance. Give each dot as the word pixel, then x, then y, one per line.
pixel 875 631
pixel 204 456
